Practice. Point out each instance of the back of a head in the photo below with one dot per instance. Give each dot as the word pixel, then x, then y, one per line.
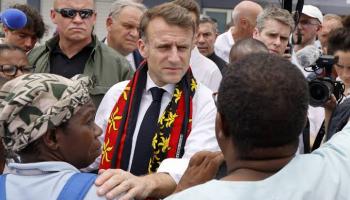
pixel 250 9
pixel 263 100
pixel 35 21
pixel 339 40
pixel 245 47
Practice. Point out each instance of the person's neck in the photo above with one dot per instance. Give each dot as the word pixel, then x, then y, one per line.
pixel 237 34
pixel 298 47
pixel 70 48
pixel 265 163
pixel 255 170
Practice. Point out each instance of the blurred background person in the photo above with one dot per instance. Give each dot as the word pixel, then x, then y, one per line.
pixel 122 29
pixel 206 36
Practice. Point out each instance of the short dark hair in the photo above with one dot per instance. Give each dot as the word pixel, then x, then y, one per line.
pixel 246 46
pixel 172 14
pixel 191 6
pixel 339 39
pixel 263 99
pixel 35 21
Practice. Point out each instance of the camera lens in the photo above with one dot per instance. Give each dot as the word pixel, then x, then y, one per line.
pixel 320 92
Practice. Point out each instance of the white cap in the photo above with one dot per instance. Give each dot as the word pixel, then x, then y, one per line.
pixel 313 12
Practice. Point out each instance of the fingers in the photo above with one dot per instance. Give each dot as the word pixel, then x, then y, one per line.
pixel 109 180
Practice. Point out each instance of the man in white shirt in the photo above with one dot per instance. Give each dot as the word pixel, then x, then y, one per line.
pixel 244 19
pixel 184 124
pixel 204 69
pixel 122 29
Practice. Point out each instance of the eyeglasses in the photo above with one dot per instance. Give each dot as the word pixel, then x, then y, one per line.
pixel 308 22
pixel 71 13
pixel 11 70
pixel 215 98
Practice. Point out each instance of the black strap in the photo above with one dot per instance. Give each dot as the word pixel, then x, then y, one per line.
pixel 306 137
pixel 319 137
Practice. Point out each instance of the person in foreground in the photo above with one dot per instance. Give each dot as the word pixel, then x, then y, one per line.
pixel 48 122
pixel 259 140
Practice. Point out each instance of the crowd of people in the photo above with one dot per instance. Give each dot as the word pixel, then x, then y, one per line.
pixel 167 107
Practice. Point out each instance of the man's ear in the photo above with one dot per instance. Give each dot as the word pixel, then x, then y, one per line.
pixel 221 127
pixel 50 139
pixel 5 30
pixel 255 33
pixel 109 22
pixel 143 48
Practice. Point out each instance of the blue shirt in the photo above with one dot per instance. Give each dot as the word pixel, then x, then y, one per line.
pixel 42 180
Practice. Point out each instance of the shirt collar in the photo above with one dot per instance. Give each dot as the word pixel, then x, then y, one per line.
pixel 39 167
pixel 169 88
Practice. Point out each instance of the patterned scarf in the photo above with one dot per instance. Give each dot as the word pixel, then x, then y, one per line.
pixel 172 130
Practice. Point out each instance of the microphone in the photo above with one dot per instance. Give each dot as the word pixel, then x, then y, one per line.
pixel 308 55
pixel 13 18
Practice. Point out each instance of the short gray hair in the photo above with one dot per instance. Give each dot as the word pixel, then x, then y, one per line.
pixel 118 6
pixel 277 14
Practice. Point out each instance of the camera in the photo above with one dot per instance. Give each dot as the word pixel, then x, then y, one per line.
pixel 321 82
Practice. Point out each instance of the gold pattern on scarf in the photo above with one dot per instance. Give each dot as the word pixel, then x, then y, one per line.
pixel 106 148
pixel 112 120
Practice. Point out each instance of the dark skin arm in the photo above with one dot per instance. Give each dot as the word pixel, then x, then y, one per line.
pixel 202 167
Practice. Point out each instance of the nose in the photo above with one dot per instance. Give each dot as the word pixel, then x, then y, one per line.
pixel 19 73
pixel 277 41
pixel 77 18
pixel 98 130
pixel 29 43
pixel 200 38
pixel 174 55
pixel 134 33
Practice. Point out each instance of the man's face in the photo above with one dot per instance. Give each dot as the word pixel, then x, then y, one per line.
pixel 123 30
pixel 23 38
pixel 308 28
pixel 11 57
pixel 206 36
pixel 78 140
pixel 74 29
pixel 342 67
pixel 167 50
pixel 274 35
pixel 327 26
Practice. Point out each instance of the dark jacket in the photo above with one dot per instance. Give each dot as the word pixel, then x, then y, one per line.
pixel 105 67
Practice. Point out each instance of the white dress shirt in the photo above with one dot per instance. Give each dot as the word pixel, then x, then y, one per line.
pixel 223 45
pixel 202 136
pixel 205 70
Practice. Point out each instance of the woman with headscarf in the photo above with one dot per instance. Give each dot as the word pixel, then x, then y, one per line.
pixel 47 121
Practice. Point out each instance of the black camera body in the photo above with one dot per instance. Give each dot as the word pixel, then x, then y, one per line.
pixel 321 83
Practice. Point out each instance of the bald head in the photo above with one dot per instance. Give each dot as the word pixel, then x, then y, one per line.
pixel 244 17
pixel 56 2
pixel 248 9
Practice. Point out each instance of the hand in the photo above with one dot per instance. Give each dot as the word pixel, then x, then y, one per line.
pixel 330 104
pixel 115 183
pixel 202 167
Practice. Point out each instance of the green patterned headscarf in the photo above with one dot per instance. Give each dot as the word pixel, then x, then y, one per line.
pixel 32 104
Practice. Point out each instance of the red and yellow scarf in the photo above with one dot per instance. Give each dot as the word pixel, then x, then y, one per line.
pixel 174 125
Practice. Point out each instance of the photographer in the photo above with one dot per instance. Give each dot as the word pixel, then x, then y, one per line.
pixel 339 47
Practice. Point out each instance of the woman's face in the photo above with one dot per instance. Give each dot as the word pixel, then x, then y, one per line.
pixel 342 67
pixel 78 140
pixel 12 58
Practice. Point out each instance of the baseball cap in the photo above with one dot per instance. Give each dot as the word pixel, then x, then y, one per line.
pixel 313 12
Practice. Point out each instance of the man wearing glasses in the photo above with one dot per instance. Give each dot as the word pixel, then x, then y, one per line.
pixel 75 50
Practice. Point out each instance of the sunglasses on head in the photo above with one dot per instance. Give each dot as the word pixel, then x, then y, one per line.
pixel 71 13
